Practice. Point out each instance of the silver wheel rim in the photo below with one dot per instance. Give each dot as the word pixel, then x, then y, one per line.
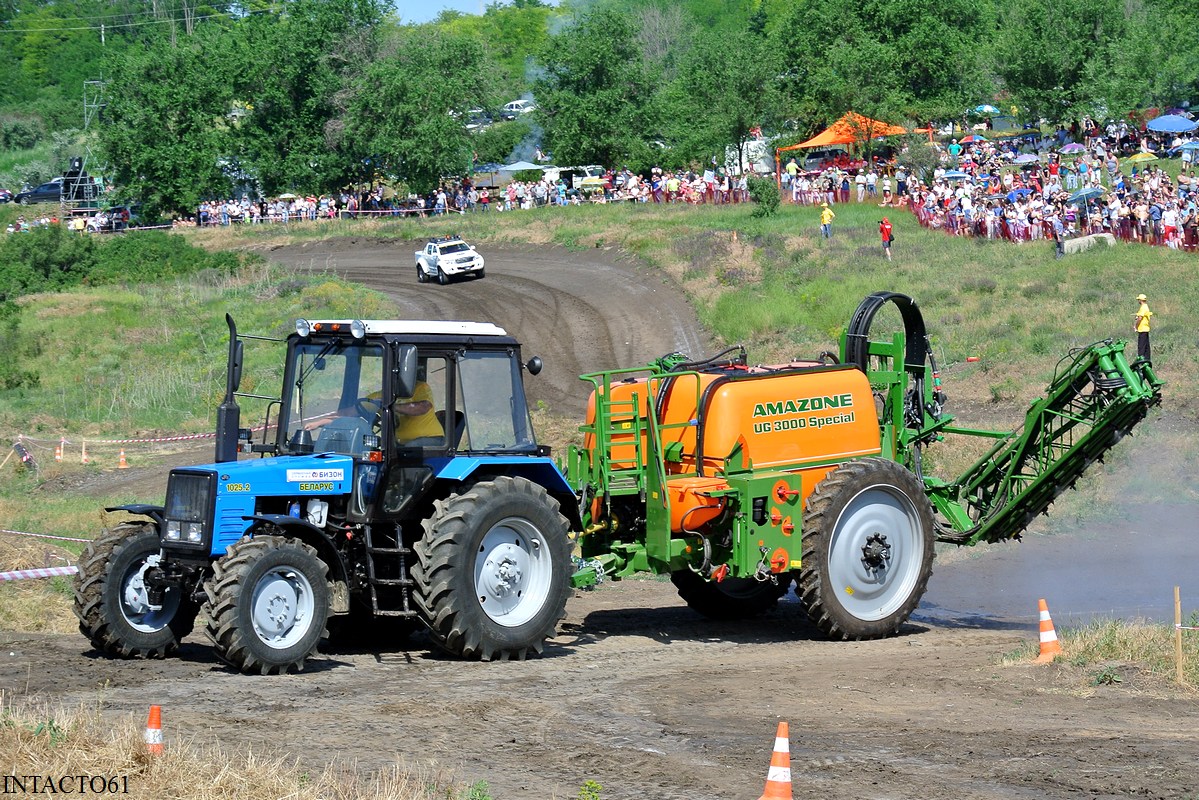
pixel 135 599
pixel 282 607
pixel 875 553
pixel 513 572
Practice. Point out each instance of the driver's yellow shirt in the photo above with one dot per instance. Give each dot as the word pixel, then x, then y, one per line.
pixel 423 425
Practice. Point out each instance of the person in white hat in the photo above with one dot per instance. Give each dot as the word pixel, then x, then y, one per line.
pixel 1141 325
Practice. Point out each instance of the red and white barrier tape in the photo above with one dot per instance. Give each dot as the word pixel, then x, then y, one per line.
pixel 27 574
pixel 186 438
pixel 44 536
pixel 1186 627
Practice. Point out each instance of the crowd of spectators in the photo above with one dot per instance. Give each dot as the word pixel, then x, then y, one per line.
pixel 1108 183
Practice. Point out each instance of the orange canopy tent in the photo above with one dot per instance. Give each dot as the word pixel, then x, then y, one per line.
pixel 851 128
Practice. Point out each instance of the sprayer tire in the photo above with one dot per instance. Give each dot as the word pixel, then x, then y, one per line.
pixel 111 602
pixel 732 598
pixel 257 583
pixel 492 570
pixel 867 550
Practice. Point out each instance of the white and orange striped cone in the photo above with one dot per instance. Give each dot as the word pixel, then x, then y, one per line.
pixel 122 464
pixel 58 450
pixel 1051 648
pixel 778 779
pixel 154 731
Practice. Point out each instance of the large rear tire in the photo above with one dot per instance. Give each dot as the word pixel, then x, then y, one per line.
pixel 867 549
pixel 493 570
pixel 268 602
pixel 732 598
pixel 111 600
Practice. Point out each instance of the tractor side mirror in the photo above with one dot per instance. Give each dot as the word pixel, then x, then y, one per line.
pixel 406 369
pixel 534 365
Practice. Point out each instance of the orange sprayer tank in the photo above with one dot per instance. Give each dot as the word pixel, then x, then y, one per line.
pixel 802 417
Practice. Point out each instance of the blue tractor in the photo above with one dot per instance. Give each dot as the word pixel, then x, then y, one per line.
pixel 399 478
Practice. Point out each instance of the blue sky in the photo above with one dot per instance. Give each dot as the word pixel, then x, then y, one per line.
pixel 426 10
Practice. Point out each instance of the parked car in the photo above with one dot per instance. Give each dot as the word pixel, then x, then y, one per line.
pixel 517 107
pixel 5 196
pixel 46 193
pixel 446 258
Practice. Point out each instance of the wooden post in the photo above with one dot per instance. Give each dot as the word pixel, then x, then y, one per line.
pixel 1178 637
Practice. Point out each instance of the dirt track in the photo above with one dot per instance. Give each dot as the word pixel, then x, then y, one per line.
pixel 643 696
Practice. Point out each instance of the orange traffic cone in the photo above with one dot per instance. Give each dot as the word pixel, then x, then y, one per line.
pixel 122 464
pixel 778 779
pixel 83 459
pixel 1051 648
pixel 58 450
pixel 154 730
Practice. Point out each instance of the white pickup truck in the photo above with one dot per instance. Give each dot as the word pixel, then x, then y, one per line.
pixel 445 258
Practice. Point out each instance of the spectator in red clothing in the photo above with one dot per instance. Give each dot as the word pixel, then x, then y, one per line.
pixel 884 230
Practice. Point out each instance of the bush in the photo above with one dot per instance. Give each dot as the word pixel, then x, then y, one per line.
pixel 765 194
pixel 20 133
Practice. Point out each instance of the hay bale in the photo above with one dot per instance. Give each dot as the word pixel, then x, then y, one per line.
pixel 1083 243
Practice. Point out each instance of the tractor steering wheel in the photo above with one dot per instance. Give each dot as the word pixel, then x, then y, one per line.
pixel 370 410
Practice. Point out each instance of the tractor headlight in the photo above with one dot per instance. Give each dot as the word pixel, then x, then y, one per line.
pixel 358 329
pixel 303 328
pixel 195 532
pixel 173 530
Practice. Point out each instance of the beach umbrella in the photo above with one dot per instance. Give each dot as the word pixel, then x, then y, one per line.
pixel 1027 158
pixel 974 137
pixel 1171 123
pixel 287 196
pixel 1086 195
pixel 1189 146
pixel 1016 193
pixel 1140 158
pixel 520 166
pixel 956 175
pixel 1073 147
pixel 986 108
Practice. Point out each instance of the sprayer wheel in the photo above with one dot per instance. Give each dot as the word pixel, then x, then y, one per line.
pixel 732 598
pixel 867 549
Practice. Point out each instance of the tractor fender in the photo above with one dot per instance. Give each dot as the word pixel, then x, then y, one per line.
pixel 312 535
pixel 541 471
pixel 155 513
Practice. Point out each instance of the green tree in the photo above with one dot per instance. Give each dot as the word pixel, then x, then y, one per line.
pixel 594 98
pixel 1043 47
pixel 295 72
pixel 406 110
pixel 725 88
pixel 166 131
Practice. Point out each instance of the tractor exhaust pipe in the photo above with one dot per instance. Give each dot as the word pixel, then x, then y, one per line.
pixel 228 415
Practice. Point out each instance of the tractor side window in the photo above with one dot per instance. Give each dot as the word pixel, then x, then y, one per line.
pixel 491 395
pixel 420 419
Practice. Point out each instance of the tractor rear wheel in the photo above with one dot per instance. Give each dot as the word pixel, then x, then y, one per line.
pixel 867 549
pixel 268 602
pixel 493 570
pixel 112 603
pixel 732 598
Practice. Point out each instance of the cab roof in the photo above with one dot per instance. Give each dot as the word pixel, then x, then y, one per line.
pixel 410 327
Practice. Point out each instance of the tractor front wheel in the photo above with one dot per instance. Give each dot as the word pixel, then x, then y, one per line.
pixel 867 549
pixel 267 605
pixel 493 570
pixel 112 602
pixel 732 598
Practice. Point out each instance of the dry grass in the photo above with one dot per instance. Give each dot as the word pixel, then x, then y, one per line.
pixel 1110 652
pixel 43 740
pixel 40 605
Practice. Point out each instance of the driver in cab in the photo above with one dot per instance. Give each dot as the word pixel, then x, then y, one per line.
pixel 415 421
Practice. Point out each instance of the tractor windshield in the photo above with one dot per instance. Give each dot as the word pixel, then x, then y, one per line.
pixel 334 395
pixel 493 399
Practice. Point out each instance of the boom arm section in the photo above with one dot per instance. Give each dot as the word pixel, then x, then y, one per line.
pixel 1094 400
